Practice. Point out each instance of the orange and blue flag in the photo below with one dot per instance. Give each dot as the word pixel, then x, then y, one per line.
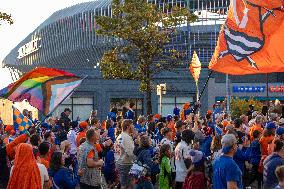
pixel 21 122
pixel 251 40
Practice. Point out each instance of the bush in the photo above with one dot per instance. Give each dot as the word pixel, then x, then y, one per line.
pixel 240 106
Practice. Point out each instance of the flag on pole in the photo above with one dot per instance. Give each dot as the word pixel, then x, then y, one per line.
pixel 43 88
pixel 251 40
pixel 195 67
pixel 21 122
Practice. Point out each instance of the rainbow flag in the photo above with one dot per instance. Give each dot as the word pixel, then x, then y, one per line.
pixel 21 122
pixel 43 88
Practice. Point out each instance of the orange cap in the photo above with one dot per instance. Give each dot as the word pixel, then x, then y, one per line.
pixel 9 128
pixel 83 125
pixel 157 116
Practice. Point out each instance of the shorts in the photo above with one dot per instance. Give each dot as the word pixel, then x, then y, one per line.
pixel 124 178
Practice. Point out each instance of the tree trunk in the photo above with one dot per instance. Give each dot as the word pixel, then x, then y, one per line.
pixel 149 97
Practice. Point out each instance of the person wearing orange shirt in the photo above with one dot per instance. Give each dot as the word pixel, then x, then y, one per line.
pixel 44 152
pixel 82 134
pixel 256 126
pixel 171 125
pixel 267 137
pixel 8 130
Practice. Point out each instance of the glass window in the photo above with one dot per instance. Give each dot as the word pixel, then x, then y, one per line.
pixel 81 107
pixel 169 103
pixel 82 111
pixel 119 103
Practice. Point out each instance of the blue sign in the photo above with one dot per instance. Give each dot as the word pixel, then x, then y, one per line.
pixel 250 89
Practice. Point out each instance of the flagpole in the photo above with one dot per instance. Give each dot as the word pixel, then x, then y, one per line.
pixel 205 84
pixel 38 124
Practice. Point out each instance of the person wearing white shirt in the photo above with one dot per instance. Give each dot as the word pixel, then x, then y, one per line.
pixel 182 157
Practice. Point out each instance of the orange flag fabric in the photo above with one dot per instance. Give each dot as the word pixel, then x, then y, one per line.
pixel 195 67
pixel 252 38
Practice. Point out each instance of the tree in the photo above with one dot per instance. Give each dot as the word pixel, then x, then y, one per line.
pixel 145 31
pixel 6 17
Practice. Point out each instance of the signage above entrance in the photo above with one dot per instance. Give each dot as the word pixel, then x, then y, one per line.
pixel 276 89
pixel 251 89
pixel 29 48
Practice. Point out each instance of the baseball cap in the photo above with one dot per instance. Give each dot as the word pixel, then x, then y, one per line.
pixel 280 131
pixel 270 125
pixel 196 156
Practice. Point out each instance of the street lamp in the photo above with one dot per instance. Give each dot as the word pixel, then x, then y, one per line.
pixel 161 89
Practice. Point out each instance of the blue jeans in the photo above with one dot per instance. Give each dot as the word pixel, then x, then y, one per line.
pixel 144 184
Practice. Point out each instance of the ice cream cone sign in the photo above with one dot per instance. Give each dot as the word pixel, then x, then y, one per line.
pixel 195 67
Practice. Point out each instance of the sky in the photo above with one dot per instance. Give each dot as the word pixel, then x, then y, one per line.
pixel 27 15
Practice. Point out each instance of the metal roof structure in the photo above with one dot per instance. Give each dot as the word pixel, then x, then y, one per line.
pixel 68 39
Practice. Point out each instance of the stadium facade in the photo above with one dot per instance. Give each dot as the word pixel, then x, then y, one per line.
pixel 67 40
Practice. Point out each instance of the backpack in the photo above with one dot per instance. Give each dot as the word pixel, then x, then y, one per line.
pixel 138 170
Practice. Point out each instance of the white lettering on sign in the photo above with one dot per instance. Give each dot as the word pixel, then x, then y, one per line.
pixel 29 48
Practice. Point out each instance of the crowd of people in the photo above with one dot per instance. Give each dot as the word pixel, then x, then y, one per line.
pixel 179 151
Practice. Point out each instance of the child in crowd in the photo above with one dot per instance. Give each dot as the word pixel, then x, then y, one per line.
pixel 196 178
pixel 165 179
pixel 279 172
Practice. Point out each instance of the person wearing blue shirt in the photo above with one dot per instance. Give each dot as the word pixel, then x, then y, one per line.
pixel 62 177
pixel 226 173
pixel 206 144
pixel 141 125
pixel 130 114
pixel 112 114
pixel 254 155
pixel 279 172
pixel 110 129
pixel 270 164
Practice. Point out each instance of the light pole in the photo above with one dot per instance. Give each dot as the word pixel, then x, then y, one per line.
pixel 161 89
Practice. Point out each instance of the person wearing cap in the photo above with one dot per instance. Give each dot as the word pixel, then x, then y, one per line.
pixel 176 111
pixel 256 126
pixel 83 126
pixel 196 178
pixel 206 144
pixel 182 157
pixel 171 125
pixel 271 163
pixel 226 173
pixel 9 130
pixel 267 137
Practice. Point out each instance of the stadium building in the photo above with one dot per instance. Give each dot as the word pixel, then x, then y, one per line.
pixel 67 40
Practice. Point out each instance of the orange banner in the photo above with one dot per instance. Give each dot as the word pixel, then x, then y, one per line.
pixel 252 39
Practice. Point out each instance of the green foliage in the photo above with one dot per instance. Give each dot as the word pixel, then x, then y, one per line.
pixel 144 30
pixel 6 17
pixel 241 106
